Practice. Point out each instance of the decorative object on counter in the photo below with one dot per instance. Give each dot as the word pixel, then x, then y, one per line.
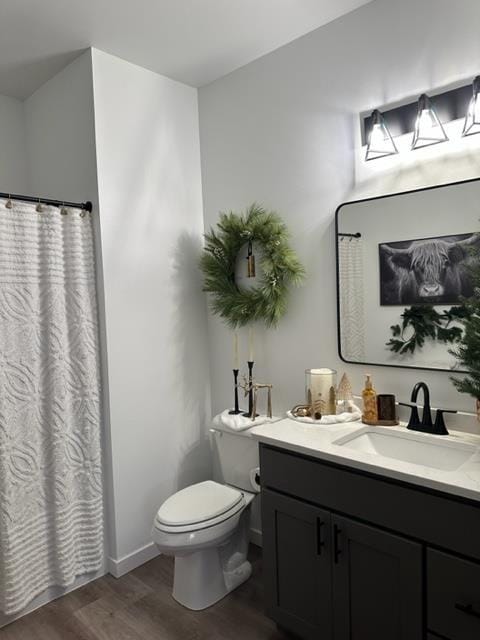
pixel 256 387
pixel 344 393
pixel 247 386
pixel 301 411
pixel 279 265
pixel 236 410
pixel 320 390
pixel 369 396
pixel 240 422
pixel 352 415
pixel 468 350
pixel 386 410
pixel 424 322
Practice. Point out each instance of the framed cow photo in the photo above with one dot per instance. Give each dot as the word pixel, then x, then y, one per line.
pixel 427 270
pixel 403 274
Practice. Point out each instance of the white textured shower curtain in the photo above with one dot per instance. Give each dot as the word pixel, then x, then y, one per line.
pixel 351 284
pixel 51 497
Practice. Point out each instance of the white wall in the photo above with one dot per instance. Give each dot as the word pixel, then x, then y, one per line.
pixel 283 130
pixel 13 153
pixel 151 217
pixel 60 135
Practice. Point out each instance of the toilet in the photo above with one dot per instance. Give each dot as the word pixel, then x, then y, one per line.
pixel 206 525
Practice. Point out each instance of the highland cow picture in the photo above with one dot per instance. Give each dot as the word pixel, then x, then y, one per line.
pixel 430 270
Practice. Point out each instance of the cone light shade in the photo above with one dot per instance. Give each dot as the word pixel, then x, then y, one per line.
pixel 428 128
pixel 472 119
pixel 380 142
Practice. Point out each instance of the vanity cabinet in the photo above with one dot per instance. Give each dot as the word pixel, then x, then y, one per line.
pixel 350 555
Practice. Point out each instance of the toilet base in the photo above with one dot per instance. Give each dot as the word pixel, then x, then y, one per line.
pixel 206 576
pixel 200 581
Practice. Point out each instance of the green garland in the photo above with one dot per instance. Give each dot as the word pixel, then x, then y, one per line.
pixel 424 322
pixel 279 263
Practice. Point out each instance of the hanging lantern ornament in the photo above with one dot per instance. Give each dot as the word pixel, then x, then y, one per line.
pixel 250 261
pixel 472 119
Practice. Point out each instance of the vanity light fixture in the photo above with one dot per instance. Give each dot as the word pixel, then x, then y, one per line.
pixel 472 119
pixel 380 142
pixel 428 128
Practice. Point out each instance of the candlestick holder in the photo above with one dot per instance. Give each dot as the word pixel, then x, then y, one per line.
pixel 236 411
pixel 249 413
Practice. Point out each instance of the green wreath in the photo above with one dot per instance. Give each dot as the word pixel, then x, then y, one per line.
pixel 279 264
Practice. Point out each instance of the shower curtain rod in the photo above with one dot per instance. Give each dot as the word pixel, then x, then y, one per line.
pixel 86 206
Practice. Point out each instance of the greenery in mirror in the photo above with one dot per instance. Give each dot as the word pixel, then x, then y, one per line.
pixel 424 322
pixel 279 263
pixel 468 350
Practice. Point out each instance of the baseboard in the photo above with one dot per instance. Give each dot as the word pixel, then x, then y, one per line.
pixel 256 537
pixel 120 567
pixel 53 593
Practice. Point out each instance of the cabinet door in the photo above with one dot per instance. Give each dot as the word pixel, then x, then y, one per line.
pixel 297 565
pixel 377 584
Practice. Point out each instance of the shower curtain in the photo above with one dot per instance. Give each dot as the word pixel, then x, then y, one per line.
pixel 351 283
pixel 51 496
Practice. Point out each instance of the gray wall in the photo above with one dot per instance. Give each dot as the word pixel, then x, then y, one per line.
pixel 283 131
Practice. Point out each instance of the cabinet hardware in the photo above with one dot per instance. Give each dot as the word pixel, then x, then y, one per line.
pixel 320 542
pixel 336 550
pixel 468 609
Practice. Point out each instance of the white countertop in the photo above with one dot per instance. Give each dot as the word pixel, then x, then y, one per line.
pixel 318 441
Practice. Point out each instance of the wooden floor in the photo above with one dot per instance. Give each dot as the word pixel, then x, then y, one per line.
pixel 139 606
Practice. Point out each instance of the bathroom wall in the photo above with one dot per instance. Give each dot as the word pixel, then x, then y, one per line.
pixel 60 135
pixel 148 158
pixel 284 131
pixel 13 152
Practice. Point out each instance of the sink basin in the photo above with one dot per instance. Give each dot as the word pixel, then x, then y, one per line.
pixel 434 453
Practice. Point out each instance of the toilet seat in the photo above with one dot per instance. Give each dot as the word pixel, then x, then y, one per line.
pixel 200 506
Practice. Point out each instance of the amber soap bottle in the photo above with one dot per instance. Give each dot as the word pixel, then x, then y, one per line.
pixel 369 395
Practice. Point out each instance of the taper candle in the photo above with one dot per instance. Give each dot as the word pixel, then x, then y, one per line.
pixel 235 350
pixel 251 354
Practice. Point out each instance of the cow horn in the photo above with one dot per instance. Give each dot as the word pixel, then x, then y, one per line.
pixel 474 238
pixel 394 252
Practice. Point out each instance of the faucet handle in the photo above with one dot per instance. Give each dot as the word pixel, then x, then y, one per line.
pixel 414 421
pixel 440 428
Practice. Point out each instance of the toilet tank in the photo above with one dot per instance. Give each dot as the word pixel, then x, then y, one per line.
pixel 235 455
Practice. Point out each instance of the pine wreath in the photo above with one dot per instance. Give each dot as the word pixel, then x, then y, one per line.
pixel 279 263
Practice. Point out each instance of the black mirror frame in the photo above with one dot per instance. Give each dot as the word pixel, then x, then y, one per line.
pixel 337 273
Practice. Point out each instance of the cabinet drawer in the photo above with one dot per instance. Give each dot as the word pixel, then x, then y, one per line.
pixel 453 588
pixel 451 523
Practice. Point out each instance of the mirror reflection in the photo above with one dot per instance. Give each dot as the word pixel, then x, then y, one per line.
pixel 404 263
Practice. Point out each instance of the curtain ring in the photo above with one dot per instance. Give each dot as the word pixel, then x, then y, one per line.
pixel 83 213
pixel 9 203
pixel 63 210
pixel 39 207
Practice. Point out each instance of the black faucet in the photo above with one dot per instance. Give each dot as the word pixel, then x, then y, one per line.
pixel 425 424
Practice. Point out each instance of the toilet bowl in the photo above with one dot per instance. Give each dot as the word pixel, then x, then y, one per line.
pixel 206 525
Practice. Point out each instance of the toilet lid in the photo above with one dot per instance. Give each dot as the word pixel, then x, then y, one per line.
pixel 198 503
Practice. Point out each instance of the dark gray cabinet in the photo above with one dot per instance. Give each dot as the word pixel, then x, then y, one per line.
pixel 297 565
pixel 377 584
pixel 350 555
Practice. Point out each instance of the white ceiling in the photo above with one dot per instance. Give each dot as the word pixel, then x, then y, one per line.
pixel 194 41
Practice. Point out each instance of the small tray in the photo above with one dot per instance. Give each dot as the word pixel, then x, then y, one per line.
pixel 382 423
